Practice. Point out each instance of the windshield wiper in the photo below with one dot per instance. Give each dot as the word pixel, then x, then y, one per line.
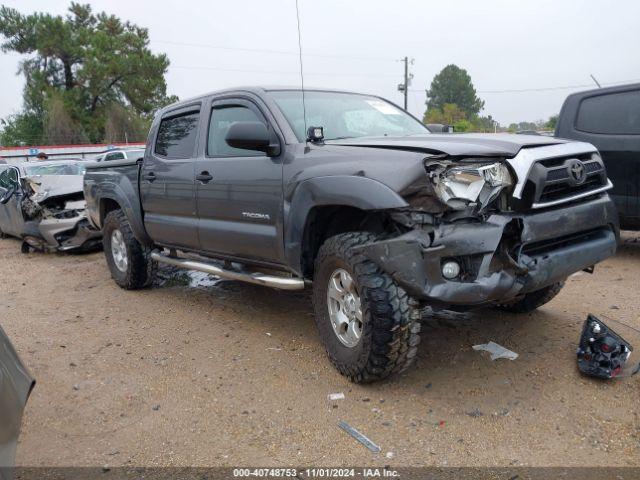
pixel 339 138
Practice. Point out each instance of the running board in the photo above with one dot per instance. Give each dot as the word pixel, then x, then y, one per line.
pixel 283 283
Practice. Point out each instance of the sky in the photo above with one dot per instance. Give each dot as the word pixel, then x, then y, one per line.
pixel 524 57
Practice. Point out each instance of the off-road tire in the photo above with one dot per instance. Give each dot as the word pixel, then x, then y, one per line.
pixel 533 300
pixel 391 330
pixel 141 269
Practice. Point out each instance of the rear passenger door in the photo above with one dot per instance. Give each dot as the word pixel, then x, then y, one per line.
pixel 167 183
pixel 239 206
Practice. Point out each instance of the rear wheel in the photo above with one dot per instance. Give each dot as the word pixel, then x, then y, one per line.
pixel 533 300
pixel 363 317
pixel 129 261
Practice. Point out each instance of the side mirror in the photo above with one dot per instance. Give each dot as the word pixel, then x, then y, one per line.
pixel 252 136
pixel 6 196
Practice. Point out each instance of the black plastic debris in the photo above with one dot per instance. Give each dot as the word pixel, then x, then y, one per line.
pixel 602 352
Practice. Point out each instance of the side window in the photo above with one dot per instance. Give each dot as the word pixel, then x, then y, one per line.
pixel 614 114
pixel 115 156
pixel 222 117
pixel 9 178
pixel 177 136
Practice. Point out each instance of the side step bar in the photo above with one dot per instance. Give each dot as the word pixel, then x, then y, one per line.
pixel 283 283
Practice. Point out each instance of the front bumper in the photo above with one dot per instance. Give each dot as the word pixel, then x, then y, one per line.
pixel 504 256
pixel 63 234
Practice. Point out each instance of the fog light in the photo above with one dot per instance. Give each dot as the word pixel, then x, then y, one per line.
pixel 450 269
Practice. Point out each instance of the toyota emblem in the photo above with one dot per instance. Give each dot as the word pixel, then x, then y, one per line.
pixel 577 171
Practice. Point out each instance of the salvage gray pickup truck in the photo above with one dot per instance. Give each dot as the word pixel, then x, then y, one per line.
pixel 380 216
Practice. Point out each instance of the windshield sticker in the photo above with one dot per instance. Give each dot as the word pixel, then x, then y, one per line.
pixel 384 107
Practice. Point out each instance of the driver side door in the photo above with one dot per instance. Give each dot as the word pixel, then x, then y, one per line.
pixel 11 216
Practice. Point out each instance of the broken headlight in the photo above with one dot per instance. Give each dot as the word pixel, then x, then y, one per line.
pixel 471 184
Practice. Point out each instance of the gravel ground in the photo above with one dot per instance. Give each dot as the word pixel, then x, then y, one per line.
pixel 227 374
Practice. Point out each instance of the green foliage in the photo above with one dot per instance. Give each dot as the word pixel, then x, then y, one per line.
pixel 552 122
pixel 449 114
pixel 453 86
pixel 79 69
pixel 463 126
pixel 22 129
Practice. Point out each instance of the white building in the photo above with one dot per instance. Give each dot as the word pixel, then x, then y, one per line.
pixel 60 152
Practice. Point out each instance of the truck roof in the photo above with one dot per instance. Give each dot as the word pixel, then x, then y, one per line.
pixel 605 90
pixel 257 90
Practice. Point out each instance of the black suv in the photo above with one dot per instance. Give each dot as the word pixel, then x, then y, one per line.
pixel 609 118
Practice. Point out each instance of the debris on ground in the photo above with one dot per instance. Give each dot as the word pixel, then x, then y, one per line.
pixel 602 353
pixel 335 396
pixel 475 413
pixel 359 436
pixel 496 351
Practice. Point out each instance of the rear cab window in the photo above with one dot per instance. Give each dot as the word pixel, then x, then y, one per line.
pixel 177 135
pixel 612 114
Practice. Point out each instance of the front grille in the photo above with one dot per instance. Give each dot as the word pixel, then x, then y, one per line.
pixel 554 180
pixel 557 191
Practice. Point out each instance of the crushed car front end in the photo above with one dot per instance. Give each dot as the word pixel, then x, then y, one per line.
pixel 483 231
pixel 55 213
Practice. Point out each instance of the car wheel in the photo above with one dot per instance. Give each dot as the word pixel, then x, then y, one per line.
pixel 129 261
pixel 363 316
pixel 532 300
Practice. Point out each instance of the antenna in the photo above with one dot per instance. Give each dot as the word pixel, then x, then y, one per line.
pixel 304 107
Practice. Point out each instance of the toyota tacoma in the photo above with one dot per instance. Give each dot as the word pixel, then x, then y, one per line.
pixel 353 197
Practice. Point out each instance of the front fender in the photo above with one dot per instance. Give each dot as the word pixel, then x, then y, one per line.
pixel 340 190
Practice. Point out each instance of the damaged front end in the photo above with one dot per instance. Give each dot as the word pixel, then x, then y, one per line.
pixel 463 244
pixel 53 208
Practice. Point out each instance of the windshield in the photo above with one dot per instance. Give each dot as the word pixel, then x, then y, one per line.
pixel 345 115
pixel 54 169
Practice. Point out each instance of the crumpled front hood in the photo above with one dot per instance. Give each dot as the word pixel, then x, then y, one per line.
pixel 46 187
pixel 457 145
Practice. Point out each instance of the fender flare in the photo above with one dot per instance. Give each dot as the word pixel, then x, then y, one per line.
pixel 121 194
pixel 340 190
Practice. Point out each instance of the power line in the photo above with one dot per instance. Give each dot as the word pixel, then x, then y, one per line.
pixel 275 52
pixel 545 89
pixel 279 72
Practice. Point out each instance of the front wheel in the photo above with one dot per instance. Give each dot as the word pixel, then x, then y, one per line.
pixel 363 317
pixel 129 261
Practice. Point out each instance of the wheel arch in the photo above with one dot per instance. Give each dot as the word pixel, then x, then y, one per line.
pixel 109 203
pixel 326 206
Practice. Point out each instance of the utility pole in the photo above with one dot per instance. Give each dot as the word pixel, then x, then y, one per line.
pixel 404 87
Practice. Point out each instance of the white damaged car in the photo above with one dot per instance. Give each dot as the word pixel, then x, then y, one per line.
pixel 43 204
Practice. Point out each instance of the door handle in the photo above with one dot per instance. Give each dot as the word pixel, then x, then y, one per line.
pixel 204 177
pixel 149 177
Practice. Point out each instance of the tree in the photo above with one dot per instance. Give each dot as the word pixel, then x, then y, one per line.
pixel 78 68
pixel 552 122
pixel 449 114
pixel 453 85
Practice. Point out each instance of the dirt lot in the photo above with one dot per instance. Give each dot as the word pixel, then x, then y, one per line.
pixel 231 374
